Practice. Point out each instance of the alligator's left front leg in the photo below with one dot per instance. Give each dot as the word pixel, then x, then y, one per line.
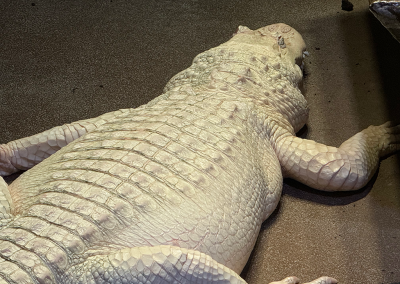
pixel 24 153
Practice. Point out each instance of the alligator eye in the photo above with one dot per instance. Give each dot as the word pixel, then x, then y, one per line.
pixel 281 42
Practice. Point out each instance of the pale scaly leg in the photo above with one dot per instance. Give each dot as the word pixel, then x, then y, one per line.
pixel 295 280
pixel 6 204
pixel 22 154
pixel 159 264
pixel 348 167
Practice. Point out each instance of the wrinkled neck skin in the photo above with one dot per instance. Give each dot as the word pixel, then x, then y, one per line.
pixel 262 66
pixel 279 86
pixel 281 49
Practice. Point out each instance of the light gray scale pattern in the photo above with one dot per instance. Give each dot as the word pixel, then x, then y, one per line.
pixel 175 191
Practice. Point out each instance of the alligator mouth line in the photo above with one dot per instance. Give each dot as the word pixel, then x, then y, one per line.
pixel 300 59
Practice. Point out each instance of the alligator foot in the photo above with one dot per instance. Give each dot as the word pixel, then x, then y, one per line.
pixel 295 280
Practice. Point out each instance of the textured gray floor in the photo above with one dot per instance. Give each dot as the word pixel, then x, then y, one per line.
pixel 63 61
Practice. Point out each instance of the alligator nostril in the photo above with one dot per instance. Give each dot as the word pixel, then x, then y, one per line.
pixel 286 29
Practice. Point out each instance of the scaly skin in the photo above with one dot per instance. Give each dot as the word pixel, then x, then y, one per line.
pixel 176 190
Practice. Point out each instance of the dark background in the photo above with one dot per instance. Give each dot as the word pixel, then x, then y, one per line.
pixel 62 61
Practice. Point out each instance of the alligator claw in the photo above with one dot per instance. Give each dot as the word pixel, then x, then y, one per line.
pixel 295 280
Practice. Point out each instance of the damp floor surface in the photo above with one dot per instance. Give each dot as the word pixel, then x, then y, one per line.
pixel 62 61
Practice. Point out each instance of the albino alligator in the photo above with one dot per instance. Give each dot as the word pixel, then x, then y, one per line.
pixel 175 191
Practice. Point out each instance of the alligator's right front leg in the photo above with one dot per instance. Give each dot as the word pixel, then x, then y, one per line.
pixel 24 153
pixel 348 167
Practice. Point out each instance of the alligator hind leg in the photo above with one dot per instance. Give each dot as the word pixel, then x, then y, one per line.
pixel 24 153
pixel 295 280
pixel 6 203
pixel 159 264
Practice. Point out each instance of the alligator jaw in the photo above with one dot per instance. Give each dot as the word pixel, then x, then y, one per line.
pixel 300 60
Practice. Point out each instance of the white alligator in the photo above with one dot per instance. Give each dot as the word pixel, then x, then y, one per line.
pixel 175 191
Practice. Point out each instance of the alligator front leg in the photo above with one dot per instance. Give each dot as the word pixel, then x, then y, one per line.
pixel 348 167
pixel 24 153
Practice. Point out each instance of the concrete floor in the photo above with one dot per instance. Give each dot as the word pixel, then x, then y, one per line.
pixel 79 59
